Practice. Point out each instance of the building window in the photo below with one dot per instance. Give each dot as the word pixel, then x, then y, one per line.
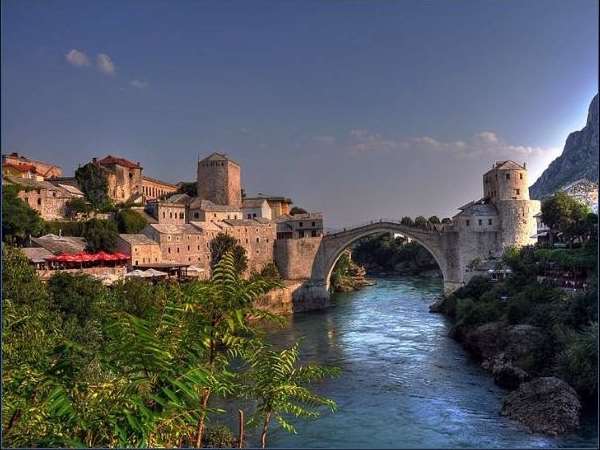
pixel 313 233
pixel 508 176
pixel 249 216
pixel 520 176
pixel 254 215
pixel 177 249
pixel 39 201
pixel 188 248
pixel 468 222
pixel 164 215
pixel 517 191
pixel 480 222
pixel 214 215
pixel 196 215
pixel 489 221
pixel 170 215
pixel 136 262
pixel 181 215
pixel 301 234
pixel 169 249
pixel 314 224
pixel 257 240
pixel 300 224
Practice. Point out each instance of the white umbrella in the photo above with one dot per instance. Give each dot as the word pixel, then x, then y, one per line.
pixel 136 273
pixel 155 273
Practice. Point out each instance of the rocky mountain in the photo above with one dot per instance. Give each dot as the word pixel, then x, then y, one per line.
pixel 578 160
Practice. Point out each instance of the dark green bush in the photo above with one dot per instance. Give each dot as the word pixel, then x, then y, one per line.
pixel 218 436
pixel 578 363
pixel 75 295
pixel 130 222
pixel 470 313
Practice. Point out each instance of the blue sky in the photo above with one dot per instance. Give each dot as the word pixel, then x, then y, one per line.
pixel 356 109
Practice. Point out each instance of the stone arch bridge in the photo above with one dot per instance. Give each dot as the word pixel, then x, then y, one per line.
pixel 440 240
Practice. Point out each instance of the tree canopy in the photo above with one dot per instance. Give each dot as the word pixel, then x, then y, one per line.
pixel 18 219
pixel 100 235
pixel 93 183
pixel 130 222
pixel 297 210
pixel 562 213
pixel 223 243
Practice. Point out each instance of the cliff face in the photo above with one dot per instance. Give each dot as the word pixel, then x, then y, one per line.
pixel 579 159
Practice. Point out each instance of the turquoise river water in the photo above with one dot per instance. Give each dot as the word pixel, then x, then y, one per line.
pixel 405 383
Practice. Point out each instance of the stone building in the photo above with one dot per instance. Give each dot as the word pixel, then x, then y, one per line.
pixel 27 171
pixel 124 178
pixel 504 217
pixel 279 205
pixel 256 208
pixel 49 200
pixel 154 189
pixel 207 211
pixel 43 169
pixel 299 226
pixel 142 249
pixel 219 180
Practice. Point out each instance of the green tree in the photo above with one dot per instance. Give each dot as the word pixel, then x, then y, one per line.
pixel 223 243
pixel 75 295
pixel 578 363
pixel 446 220
pixel 434 220
pixel 100 235
pixel 280 386
pixel 77 206
pixel 564 214
pixel 189 188
pixel 407 221
pixel 296 210
pixel 94 184
pixel 421 222
pixel 130 222
pixel 19 221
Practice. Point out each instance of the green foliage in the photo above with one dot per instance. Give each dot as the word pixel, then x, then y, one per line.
pixel 475 288
pixel 562 213
pixel 100 235
pixel 75 295
pixel 280 385
pixel 470 313
pixel 64 227
pixel 407 221
pixel 218 436
pixel 421 222
pixel 94 184
pixel 190 189
pixel 434 220
pixel 19 221
pixel 223 243
pixel 580 258
pixel 77 206
pixel 130 222
pixel 578 363
pixel 297 210
pixel 270 272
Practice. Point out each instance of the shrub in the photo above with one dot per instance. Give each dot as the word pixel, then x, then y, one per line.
pixel 218 436
pixel 475 288
pixel 19 221
pixel 66 228
pixel 578 363
pixel 421 222
pixel 270 272
pixel 223 243
pixel 407 221
pixel 92 180
pixel 75 295
pixel 518 309
pixel 130 222
pixel 296 210
pixel 470 313
pixel 100 235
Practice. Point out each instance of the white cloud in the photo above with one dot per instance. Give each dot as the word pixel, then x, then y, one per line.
pixel 77 58
pixel 139 84
pixel 485 144
pixel 105 64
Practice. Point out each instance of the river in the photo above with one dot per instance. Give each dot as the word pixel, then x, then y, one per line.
pixel 405 383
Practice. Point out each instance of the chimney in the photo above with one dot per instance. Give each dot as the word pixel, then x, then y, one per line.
pixel 94 159
pixel 524 165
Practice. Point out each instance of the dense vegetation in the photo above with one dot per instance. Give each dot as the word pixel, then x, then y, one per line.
pixel 142 365
pixel 385 253
pixel 569 323
pixel 94 185
pixel 19 221
pixel 130 222
pixel 223 243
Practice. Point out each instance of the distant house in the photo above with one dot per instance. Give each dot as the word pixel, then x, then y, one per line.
pixel 256 208
pixel 42 169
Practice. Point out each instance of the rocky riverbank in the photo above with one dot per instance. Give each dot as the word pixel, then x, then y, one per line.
pixel 544 404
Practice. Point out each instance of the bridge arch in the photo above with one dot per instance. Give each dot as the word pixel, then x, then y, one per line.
pixel 333 246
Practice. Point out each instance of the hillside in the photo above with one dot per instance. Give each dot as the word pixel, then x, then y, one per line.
pixel 578 160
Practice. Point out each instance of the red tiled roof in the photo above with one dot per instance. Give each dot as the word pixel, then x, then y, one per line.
pixel 119 161
pixel 21 167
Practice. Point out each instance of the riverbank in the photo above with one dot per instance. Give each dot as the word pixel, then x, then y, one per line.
pixel 534 342
pixel 403 378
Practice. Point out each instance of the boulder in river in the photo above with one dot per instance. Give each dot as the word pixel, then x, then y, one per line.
pixel 545 405
pixel 486 340
pixel 505 373
pixel 522 341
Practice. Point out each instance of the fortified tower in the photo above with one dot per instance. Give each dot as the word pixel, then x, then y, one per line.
pixel 219 180
pixel 506 187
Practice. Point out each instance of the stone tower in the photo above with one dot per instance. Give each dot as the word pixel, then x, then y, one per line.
pixel 507 188
pixel 219 180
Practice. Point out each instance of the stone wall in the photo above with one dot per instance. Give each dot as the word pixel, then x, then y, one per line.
pixel 294 296
pixel 153 189
pixel 50 203
pixel 518 222
pixel 120 271
pixel 295 258
pixel 219 181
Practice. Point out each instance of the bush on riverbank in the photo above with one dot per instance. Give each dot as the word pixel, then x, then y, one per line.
pixel 137 364
pixel 568 324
